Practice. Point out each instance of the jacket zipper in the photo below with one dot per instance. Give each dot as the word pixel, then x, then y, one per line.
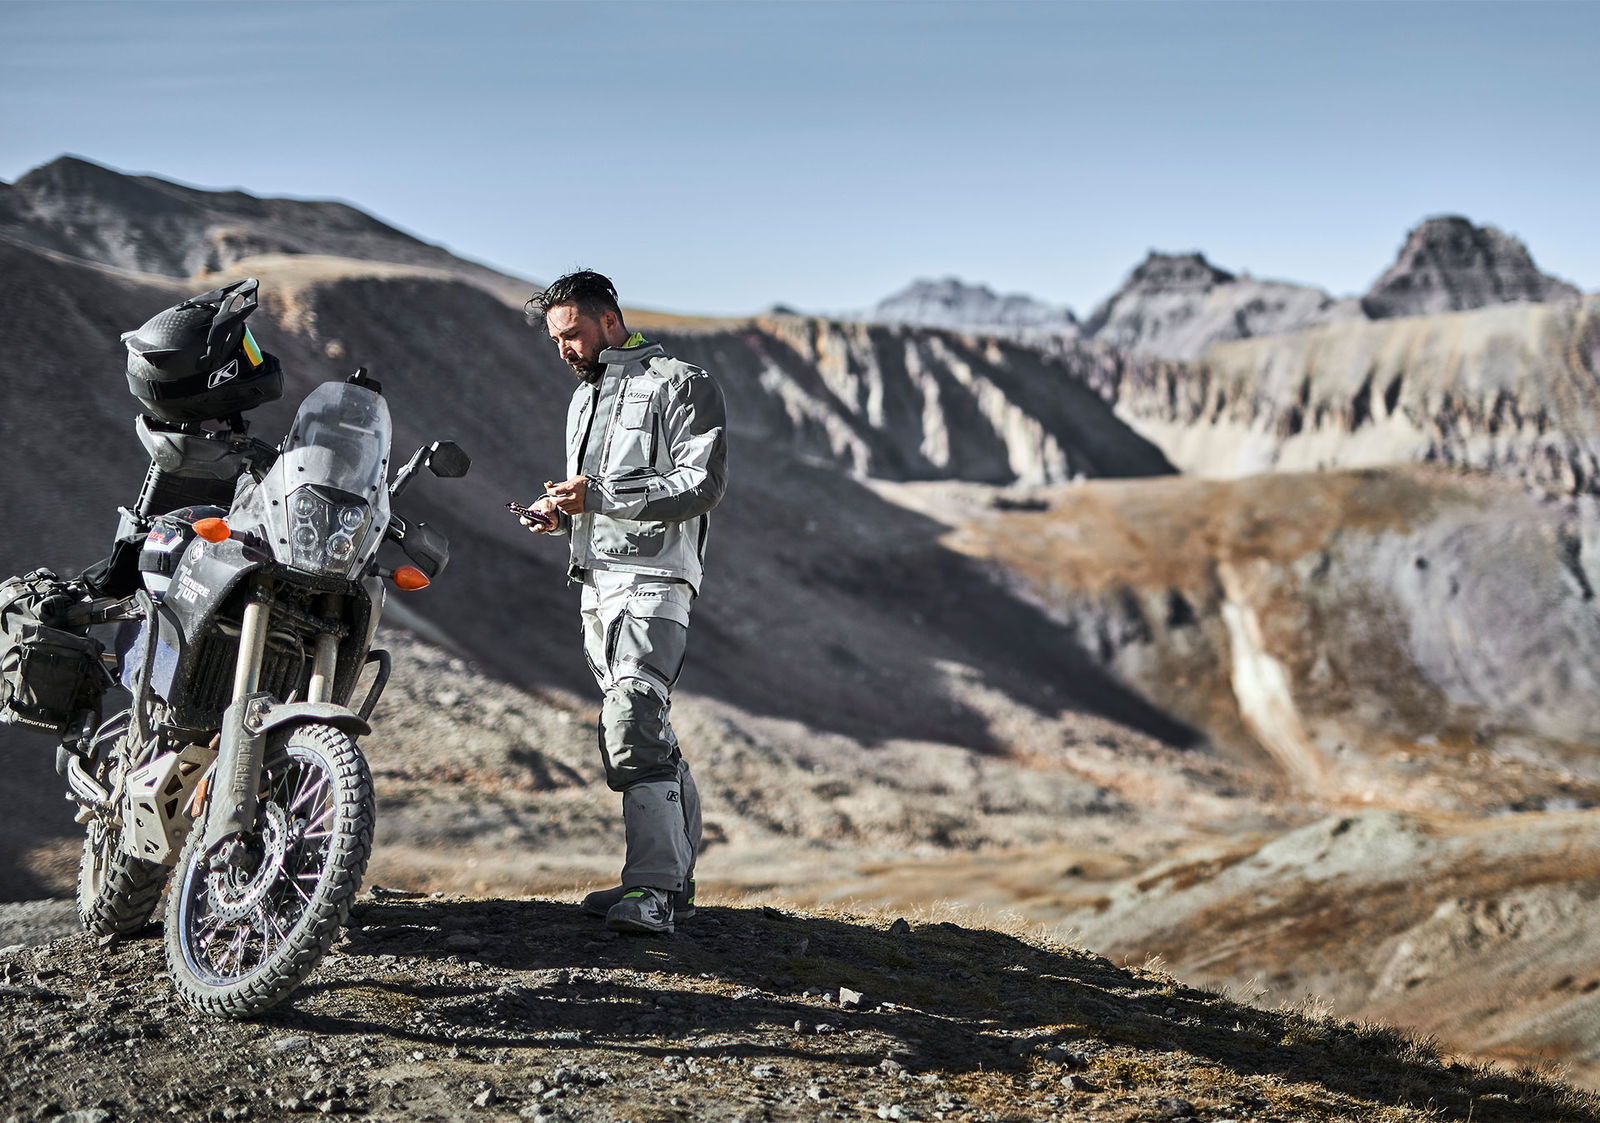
pixel 611 422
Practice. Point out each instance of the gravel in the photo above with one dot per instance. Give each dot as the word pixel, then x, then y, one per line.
pixel 546 1020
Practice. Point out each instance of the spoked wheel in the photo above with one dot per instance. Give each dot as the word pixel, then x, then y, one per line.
pixel 117 892
pixel 240 937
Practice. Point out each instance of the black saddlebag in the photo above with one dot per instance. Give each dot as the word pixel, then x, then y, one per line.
pixel 49 676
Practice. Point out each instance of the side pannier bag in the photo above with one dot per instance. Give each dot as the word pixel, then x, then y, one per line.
pixel 49 676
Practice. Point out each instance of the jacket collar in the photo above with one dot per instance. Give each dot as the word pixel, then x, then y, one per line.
pixel 631 354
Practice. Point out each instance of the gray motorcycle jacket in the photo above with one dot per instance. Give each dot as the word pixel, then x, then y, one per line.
pixel 651 436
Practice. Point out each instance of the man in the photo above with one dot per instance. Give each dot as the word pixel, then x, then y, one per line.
pixel 646 463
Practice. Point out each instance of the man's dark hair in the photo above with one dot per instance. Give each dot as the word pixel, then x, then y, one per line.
pixel 591 293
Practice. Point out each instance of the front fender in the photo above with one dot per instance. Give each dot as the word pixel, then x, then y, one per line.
pixel 265 716
pixel 246 724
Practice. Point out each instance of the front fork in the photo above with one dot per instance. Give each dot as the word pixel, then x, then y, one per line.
pixel 245 723
pixel 237 774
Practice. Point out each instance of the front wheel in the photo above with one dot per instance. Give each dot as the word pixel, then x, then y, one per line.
pixel 240 939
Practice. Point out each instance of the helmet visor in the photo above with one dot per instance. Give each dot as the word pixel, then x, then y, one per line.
pixel 252 352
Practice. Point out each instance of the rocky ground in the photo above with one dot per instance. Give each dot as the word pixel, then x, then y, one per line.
pixel 443 1008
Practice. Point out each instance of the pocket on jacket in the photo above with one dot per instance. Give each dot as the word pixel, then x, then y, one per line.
pixel 621 538
pixel 634 413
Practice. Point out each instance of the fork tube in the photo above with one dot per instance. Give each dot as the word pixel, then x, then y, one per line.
pixel 323 663
pixel 252 648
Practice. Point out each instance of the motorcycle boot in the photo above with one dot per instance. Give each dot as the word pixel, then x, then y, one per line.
pixel 638 828
pixel 658 850
pixel 599 902
pixel 642 909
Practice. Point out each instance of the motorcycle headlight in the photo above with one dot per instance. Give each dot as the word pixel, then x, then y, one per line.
pixel 325 531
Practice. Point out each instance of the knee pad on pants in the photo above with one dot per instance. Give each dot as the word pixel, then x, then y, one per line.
pixel 636 740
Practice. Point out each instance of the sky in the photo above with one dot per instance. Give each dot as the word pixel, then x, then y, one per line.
pixel 721 157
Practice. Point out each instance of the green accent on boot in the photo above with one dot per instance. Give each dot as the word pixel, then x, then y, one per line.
pixel 643 910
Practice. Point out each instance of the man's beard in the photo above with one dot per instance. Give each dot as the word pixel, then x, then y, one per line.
pixel 589 371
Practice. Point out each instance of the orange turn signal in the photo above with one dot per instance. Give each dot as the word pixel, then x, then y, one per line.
pixel 410 578
pixel 212 530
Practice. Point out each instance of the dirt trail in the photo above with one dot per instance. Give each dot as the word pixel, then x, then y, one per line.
pixel 441 1008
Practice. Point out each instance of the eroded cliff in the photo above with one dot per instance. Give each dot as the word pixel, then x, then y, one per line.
pixel 1510 389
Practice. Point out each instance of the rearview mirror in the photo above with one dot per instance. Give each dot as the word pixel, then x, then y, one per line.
pixel 443 458
pixel 448 460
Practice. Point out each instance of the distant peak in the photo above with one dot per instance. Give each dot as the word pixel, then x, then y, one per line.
pixel 950 302
pixel 1178 305
pixel 1457 240
pixel 1446 221
pixel 1176 272
pixel 70 160
pixel 69 168
pixel 944 288
pixel 1451 264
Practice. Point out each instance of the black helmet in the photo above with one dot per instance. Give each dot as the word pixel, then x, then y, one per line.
pixel 197 361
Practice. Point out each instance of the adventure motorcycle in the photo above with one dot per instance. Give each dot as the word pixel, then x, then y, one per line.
pixel 235 769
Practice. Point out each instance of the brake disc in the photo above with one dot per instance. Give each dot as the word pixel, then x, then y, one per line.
pixel 234 893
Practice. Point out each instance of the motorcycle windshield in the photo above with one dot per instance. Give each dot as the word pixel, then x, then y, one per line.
pixel 340 439
pixel 324 505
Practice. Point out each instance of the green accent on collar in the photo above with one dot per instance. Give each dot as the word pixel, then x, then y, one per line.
pixel 635 340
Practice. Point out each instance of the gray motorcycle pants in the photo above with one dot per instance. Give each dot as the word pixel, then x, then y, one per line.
pixel 635 632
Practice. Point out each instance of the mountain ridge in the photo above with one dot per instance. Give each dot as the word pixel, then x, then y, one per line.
pixel 1180 305
pixel 152 225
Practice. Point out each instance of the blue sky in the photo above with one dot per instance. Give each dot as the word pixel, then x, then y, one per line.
pixel 721 157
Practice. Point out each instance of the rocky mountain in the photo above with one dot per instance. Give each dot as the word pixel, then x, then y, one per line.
pixel 957 306
pixel 909 403
pixel 1450 265
pixel 152 225
pixel 1412 651
pixel 1173 306
pixel 1202 594
pixel 1508 389
pixel 1176 306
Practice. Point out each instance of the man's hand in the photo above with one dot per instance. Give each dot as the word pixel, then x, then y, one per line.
pixel 568 495
pixel 546 507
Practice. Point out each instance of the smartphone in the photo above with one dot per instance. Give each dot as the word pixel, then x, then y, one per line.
pixel 529 513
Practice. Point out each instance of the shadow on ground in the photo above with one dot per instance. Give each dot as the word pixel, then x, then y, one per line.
pixel 936 997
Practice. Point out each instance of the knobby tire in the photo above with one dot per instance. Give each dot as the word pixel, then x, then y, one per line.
pixel 281 966
pixel 117 893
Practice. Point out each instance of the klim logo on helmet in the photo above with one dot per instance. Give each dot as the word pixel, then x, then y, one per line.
pixel 226 374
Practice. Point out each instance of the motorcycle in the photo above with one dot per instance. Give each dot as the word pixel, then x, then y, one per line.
pixel 236 771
